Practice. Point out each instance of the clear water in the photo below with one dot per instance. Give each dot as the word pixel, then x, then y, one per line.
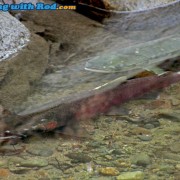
pixel 140 136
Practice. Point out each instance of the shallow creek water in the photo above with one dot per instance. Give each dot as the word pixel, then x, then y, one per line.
pixel 137 140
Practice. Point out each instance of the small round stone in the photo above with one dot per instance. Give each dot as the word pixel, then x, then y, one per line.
pixel 19 166
pixel 175 147
pixel 141 159
pixel 149 126
pixel 79 157
pixel 145 137
pixel 137 175
pixel 40 152
pixel 109 171
pixel 117 152
pixel 178 167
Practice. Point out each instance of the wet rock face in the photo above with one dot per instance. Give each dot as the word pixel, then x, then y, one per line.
pixel 52 39
pixel 3 71
pixel 13 35
pixel 23 59
pixel 22 71
pixel 125 5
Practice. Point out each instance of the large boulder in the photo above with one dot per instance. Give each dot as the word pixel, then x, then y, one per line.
pixel 13 35
pixel 23 60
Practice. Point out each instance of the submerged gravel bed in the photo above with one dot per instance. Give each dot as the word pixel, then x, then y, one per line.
pixel 138 140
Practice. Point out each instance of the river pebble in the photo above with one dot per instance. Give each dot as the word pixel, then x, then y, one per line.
pixel 175 102
pixel 79 157
pixel 4 173
pixel 167 168
pixel 116 152
pixel 172 156
pixel 3 163
pixel 38 151
pixel 102 178
pixel 141 159
pixel 172 116
pixel 178 167
pixel 149 126
pixel 101 162
pixel 20 165
pixel 18 169
pixel 140 131
pixel 137 175
pixel 175 147
pixel 108 171
pixel 156 123
pixel 58 164
pixel 176 175
pixel 95 144
pixel 145 137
